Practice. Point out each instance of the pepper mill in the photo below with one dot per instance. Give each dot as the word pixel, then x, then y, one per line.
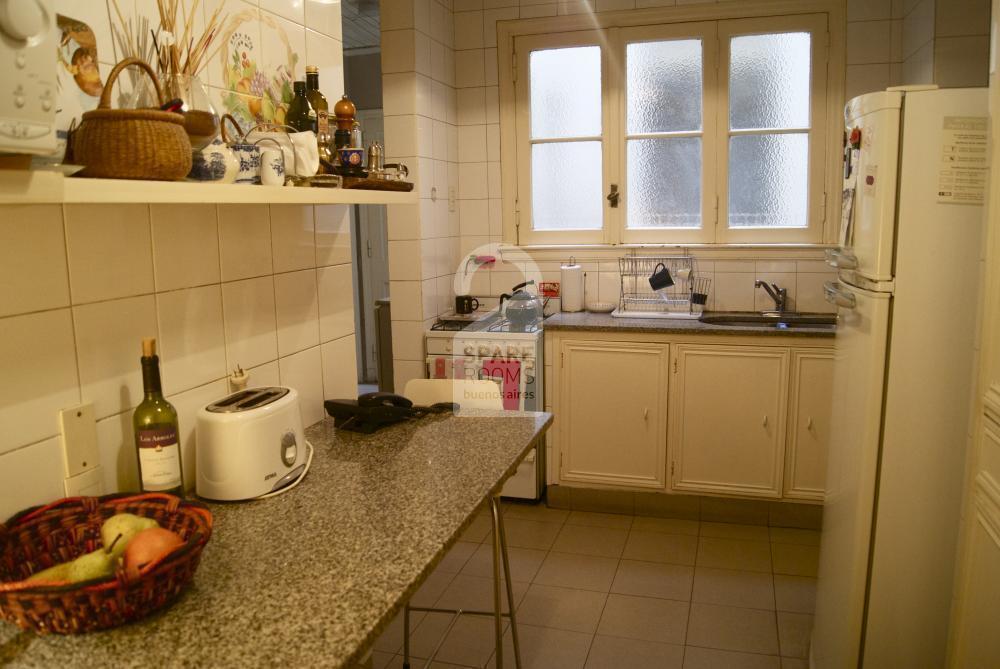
pixel 344 112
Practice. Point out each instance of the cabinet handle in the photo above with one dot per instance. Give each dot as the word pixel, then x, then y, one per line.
pixel 764 423
pixel 645 413
pixel 809 423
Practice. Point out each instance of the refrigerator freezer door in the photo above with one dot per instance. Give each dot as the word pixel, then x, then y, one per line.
pixel 873 177
pixel 859 368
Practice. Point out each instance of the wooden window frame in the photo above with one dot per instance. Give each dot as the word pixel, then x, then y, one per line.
pixel 825 131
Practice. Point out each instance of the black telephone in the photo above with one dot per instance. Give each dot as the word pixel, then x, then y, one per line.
pixel 372 411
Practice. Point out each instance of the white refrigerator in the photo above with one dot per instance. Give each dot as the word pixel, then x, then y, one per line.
pixel 907 297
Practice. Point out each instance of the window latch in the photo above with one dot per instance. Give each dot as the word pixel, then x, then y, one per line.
pixel 613 196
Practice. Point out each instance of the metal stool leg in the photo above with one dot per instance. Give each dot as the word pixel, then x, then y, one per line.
pixel 497 601
pixel 406 636
pixel 500 556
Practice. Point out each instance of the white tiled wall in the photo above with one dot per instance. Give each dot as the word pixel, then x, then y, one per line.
pixel 203 279
pixel 419 101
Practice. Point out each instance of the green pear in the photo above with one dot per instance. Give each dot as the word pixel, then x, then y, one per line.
pixel 127 525
pixel 98 564
pixel 59 572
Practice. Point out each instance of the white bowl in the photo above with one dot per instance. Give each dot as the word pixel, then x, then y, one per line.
pixel 601 307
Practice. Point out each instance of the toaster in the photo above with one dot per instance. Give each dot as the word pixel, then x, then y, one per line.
pixel 250 444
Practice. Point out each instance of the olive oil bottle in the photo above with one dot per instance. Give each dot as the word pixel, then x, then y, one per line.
pixel 157 437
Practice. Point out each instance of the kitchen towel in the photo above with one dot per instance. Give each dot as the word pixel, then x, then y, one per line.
pixel 571 288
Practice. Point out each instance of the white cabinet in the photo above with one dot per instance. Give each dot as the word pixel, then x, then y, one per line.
pixel 728 406
pixel 809 424
pixel 611 409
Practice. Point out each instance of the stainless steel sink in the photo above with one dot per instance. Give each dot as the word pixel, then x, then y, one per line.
pixel 782 321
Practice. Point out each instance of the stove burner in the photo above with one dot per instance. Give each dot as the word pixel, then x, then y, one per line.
pixel 503 325
pixel 450 326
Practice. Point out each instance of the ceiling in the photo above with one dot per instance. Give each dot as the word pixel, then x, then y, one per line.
pixel 361 24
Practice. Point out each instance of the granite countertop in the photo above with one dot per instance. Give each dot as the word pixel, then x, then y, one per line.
pixel 587 322
pixel 311 577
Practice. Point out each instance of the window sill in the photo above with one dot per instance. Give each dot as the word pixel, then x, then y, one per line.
pixel 706 251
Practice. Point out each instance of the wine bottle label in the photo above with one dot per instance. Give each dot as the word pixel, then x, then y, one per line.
pixel 159 458
pixel 323 123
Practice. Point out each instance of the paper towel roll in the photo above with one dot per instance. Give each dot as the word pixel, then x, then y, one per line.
pixel 571 288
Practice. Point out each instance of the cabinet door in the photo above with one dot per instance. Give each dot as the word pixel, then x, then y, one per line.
pixel 809 424
pixel 727 419
pixel 613 413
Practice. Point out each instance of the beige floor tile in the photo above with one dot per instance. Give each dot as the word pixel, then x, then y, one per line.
pixel 653 579
pixel 795 593
pixel 789 535
pixel 645 618
pixel 478 530
pixel 667 525
pixel 530 533
pixel 432 589
pixel 391 639
pixel 585 540
pixel 473 592
pixel 734 554
pixel 660 547
pixel 546 648
pixel 381 660
pixel 470 643
pixel 794 663
pixel 608 652
pixel 613 520
pixel 793 633
pixel 585 572
pixel 734 531
pixel 795 560
pixel 732 628
pixel 750 589
pixel 538 512
pixel 524 563
pixel 710 658
pixel 456 557
pixel 561 608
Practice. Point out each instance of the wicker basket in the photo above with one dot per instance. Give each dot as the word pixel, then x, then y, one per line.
pixel 43 536
pixel 132 143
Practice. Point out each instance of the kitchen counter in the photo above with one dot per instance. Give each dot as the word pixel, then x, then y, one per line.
pixel 311 577
pixel 587 322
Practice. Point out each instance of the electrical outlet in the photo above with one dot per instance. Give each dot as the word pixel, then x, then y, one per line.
pixel 451 198
pixel 79 439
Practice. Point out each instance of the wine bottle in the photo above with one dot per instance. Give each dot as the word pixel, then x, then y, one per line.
pixel 157 437
pixel 300 113
pixel 318 102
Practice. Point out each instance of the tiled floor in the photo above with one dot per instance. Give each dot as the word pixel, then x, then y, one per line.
pixel 602 591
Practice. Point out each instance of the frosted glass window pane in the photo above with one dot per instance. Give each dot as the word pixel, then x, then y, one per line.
pixel 769 181
pixel 566 186
pixel 769 81
pixel 664 183
pixel 664 86
pixel 566 92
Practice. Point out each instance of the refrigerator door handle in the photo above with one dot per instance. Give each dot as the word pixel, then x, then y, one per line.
pixel 841 259
pixel 835 295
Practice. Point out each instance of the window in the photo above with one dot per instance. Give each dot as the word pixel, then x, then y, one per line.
pixel 700 132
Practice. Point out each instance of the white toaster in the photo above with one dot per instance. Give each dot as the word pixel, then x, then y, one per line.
pixel 250 444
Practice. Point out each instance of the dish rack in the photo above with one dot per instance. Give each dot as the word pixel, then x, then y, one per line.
pixel 685 299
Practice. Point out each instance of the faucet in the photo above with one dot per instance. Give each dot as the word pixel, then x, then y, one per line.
pixel 779 295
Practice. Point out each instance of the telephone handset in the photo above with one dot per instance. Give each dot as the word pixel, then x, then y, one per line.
pixel 377 399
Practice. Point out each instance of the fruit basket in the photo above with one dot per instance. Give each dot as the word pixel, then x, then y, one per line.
pixel 41 537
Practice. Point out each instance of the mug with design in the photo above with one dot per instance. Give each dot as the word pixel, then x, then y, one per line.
pixel 272 167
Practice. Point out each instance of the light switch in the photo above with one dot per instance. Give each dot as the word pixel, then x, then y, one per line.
pixel 79 439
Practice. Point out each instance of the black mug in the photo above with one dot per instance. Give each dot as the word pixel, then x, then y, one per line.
pixel 465 304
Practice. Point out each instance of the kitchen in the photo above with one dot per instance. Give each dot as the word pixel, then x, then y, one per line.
pixel 72 320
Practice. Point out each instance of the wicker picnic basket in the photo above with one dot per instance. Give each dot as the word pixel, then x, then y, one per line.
pixel 132 143
pixel 43 536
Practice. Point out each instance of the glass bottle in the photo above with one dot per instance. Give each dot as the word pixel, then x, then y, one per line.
pixel 157 434
pixel 318 102
pixel 298 115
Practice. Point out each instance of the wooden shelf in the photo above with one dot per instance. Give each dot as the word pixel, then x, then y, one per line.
pixel 18 187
